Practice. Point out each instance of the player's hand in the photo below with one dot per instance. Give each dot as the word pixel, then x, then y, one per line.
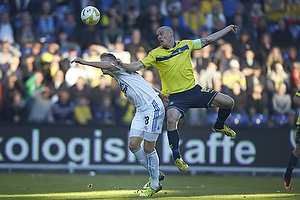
pixel 78 60
pixel 118 62
pixel 233 28
pixel 165 99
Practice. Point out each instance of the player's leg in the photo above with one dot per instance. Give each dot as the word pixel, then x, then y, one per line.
pixel 173 116
pixel 225 104
pixel 153 164
pixel 135 147
pixel 292 163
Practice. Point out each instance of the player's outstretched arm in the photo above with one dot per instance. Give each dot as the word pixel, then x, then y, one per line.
pixel 100 64
pixel 217 35
pixel 134 66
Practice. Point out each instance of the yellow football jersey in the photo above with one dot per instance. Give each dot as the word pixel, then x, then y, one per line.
pixel 298 94
pixel 174 65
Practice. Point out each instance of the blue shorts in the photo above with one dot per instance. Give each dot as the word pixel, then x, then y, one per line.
pixel 197 97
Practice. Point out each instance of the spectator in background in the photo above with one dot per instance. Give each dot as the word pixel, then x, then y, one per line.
pixel 58 83
pixel 291 15
pixel 274 10
pixel 99 92
pixel 225 54
pixel 202 57
pixel 148 75
pixel 208 75
pixel 212 17
pixel 274 56
pixel 292 57
pixel 71 76
pixel 243 44
pixel 258 100
pixel 125 5
pixel 41 107
pixel 120 52
pixel 251 69
pixel 79 89
pixel 27 32
pixel 28 69
pixel 68 32
pixel 295 78
pixel 150 35
pixel 7 52
pixel 278 76
pixel 6 29
pixel 112 34
pixel 130 21
pixel 261 30
pixel 256 13
pixel 46 22
pixel 15 111
pixel 63 109
pixel 282 103
pixel 229 8
pixel 174 11
pixel 240 98
pixel 234 74
pixel 36 54
pixel 9 87
pixel 126 109
pixel 34 83
pixel 151 16
pixel 181 32
pixel 112 12
pixel 137 42
pixel 82 111
pixel 106 115
pixel 194 18
pixel 207 6
pixel 90 35
pixel 65 63
pixel 12 69
pixel 283 32
pixel 263 49
pixel 237 19
pixel 48 55
pixel 50 69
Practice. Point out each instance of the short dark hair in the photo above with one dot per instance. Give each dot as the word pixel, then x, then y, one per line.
pixel 108 55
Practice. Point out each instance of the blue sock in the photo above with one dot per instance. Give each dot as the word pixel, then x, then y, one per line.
pixel 222 116
pixel 291 165
pixel 173 137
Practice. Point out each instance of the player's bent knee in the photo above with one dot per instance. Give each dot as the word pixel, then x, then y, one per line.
pixel 133 146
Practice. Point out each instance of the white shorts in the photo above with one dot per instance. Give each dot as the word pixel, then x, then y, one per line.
pixel 148 123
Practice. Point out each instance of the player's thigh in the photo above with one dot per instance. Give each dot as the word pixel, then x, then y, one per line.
pixel 223 101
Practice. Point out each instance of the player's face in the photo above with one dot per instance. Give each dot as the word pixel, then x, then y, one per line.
pixel 164 38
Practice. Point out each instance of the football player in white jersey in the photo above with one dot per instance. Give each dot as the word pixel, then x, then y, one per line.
pixel 148 120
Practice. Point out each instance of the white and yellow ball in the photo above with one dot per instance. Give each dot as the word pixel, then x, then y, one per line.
pixel 90 15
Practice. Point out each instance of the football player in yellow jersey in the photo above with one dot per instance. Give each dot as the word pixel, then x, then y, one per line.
pixel 296 153
pixel 172 59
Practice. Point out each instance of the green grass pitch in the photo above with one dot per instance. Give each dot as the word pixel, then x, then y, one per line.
pixel 124 186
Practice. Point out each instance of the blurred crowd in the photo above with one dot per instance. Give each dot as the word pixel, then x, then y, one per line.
pixel 259 67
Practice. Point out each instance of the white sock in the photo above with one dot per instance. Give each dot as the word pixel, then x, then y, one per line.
pixel 141 157
pixel 153 168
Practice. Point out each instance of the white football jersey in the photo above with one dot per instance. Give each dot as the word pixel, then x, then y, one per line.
pixel 136 89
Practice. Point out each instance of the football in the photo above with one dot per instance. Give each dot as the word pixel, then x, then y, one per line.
pixel 90 15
